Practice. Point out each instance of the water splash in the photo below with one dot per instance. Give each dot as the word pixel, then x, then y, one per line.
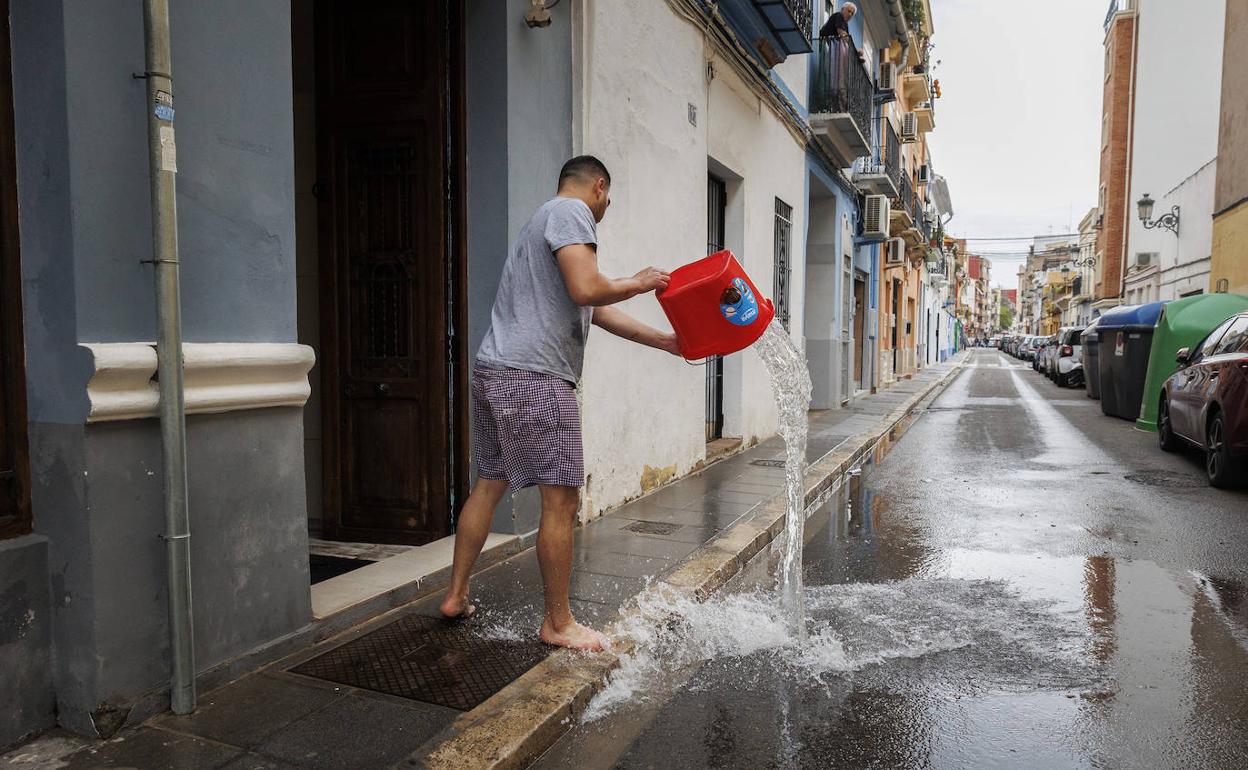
pixel 791 387
pixel 988 633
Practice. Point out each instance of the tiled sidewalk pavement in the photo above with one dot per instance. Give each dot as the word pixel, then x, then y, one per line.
pixel 277 719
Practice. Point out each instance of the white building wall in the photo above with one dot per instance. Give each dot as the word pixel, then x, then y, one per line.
pixel 1184 261
pixel 1174 136
pixel 639 67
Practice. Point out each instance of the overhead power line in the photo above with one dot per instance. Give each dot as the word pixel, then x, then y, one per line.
pixel 1017 237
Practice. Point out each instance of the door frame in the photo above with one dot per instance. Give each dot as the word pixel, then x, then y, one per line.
pixel 12 344
pixel 456 307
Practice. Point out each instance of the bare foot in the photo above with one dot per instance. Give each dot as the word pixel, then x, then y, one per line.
pixel 457 607
pixel 574 636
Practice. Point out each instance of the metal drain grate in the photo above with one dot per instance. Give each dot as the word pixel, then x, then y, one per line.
pixel 427 659
pixel 768 463
pixel 653 527
pixel 1165 479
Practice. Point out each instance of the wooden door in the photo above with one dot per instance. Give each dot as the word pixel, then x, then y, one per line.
pixel 14 463
pixel 388 170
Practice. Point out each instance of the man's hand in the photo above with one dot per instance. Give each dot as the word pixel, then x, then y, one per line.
pixel 652 279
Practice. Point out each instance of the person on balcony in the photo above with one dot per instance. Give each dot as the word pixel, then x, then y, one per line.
pixel 837 28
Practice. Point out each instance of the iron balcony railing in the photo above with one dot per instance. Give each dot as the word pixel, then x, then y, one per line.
pixel 803 15
pixel 922 219
pixel 905 194
pixel 885 157
pixel 841 83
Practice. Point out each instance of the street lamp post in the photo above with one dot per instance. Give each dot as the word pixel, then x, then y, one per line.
pixel 1168 221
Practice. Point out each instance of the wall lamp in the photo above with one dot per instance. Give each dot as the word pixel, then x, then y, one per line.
pixel 1087 262
pixel 1169 221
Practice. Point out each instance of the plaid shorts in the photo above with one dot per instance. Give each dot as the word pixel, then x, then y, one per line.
pixel 526 428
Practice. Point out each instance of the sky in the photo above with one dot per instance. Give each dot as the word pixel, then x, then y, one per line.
pixel 1018 123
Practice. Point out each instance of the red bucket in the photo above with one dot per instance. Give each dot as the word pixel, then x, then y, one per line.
pixel 714 308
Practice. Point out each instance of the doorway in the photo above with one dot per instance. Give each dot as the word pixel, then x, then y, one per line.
pixel 860 315
pixel 716 214
pixel 848 320
pixel 381 179
pixel 897 321
pixel 14 462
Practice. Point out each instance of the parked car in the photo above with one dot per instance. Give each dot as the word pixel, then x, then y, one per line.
pixel 1050 357
pixel 1067 367
pixel 1205 402
pixel 1041 361
pixel 1027 350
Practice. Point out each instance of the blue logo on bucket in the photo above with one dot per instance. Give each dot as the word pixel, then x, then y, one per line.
pixel 744 311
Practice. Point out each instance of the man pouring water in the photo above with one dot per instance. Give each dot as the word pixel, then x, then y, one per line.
pixel 526 421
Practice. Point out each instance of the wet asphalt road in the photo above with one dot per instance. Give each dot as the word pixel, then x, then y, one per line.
pixel 1019 582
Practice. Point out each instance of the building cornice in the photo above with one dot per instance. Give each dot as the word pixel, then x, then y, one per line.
pixel 218 377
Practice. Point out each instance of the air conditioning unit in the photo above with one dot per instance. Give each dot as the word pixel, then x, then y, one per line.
pixel 875 217
pixel 888 77
pixel 925 173
pixel 909 127
pixel 895 252
pixel 1143 260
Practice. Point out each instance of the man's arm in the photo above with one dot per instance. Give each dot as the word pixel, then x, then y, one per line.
pixel 589 287
pixel 621 324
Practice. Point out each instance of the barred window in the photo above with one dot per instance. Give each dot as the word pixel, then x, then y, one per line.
pixel 783 268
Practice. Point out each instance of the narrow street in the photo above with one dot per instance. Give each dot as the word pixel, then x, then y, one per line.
pixel 1020 580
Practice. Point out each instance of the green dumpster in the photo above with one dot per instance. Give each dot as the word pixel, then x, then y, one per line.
pixel 1183 324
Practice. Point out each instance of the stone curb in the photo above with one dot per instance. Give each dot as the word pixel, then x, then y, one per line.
pixel 526 717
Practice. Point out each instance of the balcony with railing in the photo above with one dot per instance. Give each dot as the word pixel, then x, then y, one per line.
pixel 925 113
pixel 777 28
pixel 880 172
pixel 914 233
pixel 924 218
pixel 916 84
pixel 901 214
pixel 840 101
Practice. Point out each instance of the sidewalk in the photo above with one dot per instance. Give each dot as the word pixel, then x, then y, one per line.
pixel 485 693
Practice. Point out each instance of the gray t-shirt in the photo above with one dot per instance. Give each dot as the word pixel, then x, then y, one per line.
pixel 535 325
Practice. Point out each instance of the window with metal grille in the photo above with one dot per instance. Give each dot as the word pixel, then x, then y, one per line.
pixel 783 269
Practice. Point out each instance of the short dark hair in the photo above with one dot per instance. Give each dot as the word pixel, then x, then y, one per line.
pixel 585 168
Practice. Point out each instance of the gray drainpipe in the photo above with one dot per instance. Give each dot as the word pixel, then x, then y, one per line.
pixel 163 167
pixel 899 28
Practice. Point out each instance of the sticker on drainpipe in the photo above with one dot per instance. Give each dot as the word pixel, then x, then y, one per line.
pixel 168 151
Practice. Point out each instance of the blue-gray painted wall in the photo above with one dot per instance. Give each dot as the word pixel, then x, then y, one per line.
pixel 519 115
pixel 84 228
pixel 83 192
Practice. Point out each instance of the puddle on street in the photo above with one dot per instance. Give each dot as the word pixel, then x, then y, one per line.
pixel 916 656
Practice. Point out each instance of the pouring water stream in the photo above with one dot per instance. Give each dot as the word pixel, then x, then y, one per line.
pixel 791 387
